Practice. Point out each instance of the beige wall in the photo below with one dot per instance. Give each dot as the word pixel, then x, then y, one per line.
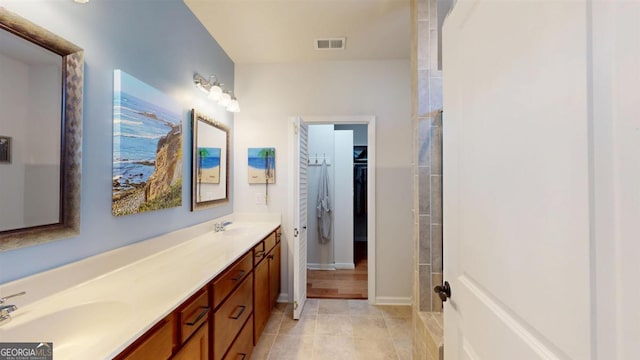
pixel 270 93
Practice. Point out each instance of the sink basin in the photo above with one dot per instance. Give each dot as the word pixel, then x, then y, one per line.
pixel 237 230
pixel 66 327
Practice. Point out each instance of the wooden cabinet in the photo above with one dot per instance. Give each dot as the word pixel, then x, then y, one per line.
pixel 185 331
pixel 274 275
pixel 224 319
pixel 231 316
pixel 243 346
pixel 231 278
pixel 197 348
pixel 157 343
pixel 267 281
pixel 262 303
pixel 193 314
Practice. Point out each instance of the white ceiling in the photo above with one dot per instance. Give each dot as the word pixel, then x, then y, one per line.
pixel 276 31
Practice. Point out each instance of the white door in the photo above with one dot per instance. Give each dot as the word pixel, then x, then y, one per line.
pixel 517 181
pixel 300 218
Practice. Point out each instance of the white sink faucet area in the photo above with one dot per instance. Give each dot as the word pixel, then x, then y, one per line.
pixel 6 310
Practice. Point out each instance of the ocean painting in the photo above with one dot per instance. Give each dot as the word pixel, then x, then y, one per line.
pixel 209 165
pixel 262 165
pixel 147 148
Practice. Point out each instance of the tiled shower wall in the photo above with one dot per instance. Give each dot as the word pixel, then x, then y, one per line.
pixel 427 116
pixel 427 120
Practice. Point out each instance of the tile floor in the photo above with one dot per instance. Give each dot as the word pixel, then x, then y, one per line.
pixel 337 329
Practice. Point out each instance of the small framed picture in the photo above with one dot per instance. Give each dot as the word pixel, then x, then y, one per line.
pixel 262 165
pixel 5 150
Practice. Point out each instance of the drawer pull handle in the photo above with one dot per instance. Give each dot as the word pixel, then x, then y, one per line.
pixel 271 257
pixel 240 275
pixel 205 311
pixel 260 254
pixel 242 356
pixel 239 313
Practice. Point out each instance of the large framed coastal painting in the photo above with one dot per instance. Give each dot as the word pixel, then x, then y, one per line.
pixel 147 148
pixel 262 165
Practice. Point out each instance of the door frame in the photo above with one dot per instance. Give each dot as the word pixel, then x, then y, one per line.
pixel 370 121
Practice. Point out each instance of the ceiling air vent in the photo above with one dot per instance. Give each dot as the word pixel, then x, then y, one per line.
pixel 330 43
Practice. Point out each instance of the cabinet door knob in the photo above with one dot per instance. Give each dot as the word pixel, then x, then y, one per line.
pixel 205 311
pixel 443 291
pixel 239 276
pixel 239 313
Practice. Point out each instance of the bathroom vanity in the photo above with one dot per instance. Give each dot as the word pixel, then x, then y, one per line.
pixel 181 296
pixel 225 318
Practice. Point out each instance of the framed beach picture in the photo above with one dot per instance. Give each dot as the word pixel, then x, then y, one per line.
pixel 209 165
pixel 262 165
pixel 5 150
pixel 209 162
pixel 147 148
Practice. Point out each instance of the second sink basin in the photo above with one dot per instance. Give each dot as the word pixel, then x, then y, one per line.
pixel 73 325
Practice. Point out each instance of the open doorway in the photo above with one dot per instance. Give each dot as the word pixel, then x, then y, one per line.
pixel 337 240
pixel 298 208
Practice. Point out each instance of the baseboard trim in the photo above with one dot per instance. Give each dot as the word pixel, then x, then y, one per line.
pixel 345 266
pixel 312 266
pixel 283 298
pixel 392 300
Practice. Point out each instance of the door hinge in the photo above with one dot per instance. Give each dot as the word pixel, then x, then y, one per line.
pixel 295 232
pixel 295 305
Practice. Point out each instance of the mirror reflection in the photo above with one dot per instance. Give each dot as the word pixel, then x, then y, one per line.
pixel 30 101
pixel 41 85
pixel 209 162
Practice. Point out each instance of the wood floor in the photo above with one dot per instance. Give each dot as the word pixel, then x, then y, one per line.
pixel 341 284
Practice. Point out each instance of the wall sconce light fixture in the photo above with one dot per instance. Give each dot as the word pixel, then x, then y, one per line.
pixel 216 92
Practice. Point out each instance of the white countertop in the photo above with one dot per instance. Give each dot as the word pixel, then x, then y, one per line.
pixel 95 308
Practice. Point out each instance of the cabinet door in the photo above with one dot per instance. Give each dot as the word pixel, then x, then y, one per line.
pixel 262 301
pixel 274 276
pixel 155 344
pixel 197 348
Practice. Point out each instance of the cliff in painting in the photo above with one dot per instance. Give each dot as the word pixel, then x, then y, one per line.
pixel 147 148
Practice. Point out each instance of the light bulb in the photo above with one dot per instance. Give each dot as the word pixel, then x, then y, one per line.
pixel 233 106
pixel 225 99
pixel 215 92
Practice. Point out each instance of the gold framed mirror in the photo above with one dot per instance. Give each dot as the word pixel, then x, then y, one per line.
pixel 210 162
pixel 30 160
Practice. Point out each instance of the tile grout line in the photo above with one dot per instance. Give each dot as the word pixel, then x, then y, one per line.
pixel 386 324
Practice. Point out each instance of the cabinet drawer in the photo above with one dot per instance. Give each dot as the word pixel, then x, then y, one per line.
pixel 229 318
pixel 155 344
pixel 194 313
pixel 228 281
pixel 243 346
pixel 270 242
